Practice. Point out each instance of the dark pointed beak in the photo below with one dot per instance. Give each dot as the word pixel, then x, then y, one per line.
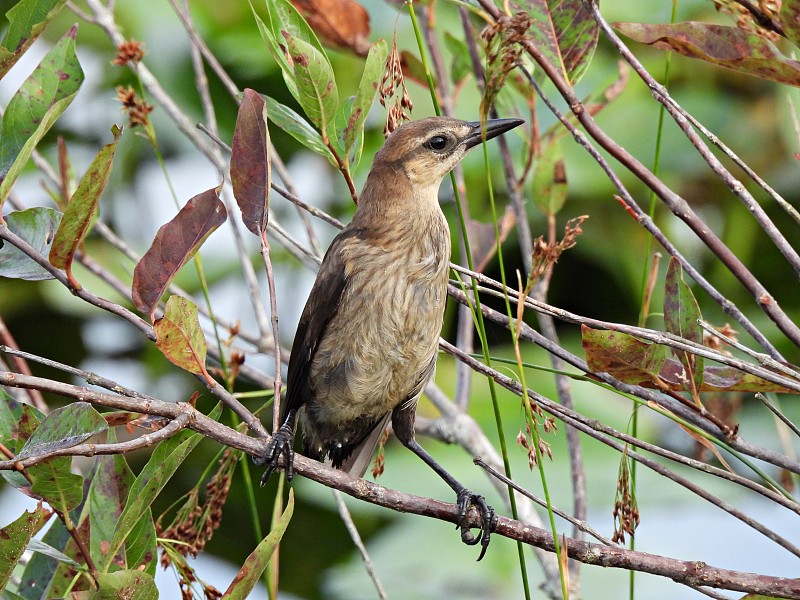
pixel 494 127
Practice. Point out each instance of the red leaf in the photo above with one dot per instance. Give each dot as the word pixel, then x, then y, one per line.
pixel 174 244
pixel 250 165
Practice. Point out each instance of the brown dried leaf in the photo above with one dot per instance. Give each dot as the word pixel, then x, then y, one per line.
pixel 174 244
pixel 340 23
pixel 250 163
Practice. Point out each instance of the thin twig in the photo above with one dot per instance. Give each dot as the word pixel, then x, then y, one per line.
pixel 146 440
pixel 578 523
pixel 273 306
pixel 19 362
pixel 775 411
pixel 344 513
pixel 696 573
pixel 680 117
pixel 82 293
pixel 678 205
pixel 563 414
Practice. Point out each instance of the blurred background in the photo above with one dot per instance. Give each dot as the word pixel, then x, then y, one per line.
pixel 600 277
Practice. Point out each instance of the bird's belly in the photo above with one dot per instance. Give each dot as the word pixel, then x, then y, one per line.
pixel 382 342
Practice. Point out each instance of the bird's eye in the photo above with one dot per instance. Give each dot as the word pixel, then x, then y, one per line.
pixel 437 142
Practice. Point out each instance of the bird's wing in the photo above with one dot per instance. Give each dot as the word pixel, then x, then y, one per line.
pixel 321 306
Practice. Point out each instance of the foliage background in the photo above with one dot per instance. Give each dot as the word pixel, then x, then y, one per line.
pixel 599 278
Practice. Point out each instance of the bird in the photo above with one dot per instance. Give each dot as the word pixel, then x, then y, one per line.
pixel 367 339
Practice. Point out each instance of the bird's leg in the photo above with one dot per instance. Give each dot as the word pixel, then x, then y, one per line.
pixel 281 443
pixel 465 497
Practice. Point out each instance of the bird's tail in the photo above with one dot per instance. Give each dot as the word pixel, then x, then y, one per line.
pixel 358 462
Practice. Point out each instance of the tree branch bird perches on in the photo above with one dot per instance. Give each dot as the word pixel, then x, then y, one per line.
pixel 367 339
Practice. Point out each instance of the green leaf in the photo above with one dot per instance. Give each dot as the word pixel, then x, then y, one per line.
pixel 163 463
pixel 45 549
pixel 17 422
pixel 549 186
pixel 577 33
pixel 41 569
pixel 14 538
pixel 52 480
pixel 297 127
pixel 36 106
pixel 108 494
pixel 141 549
pixel 340 124
pixel 718 379
pixel 82 208
pixel 461 65
pixel 54 483
pixel 729 47
pixel 681 316
pixel 128 585
pixel 10 415
pixel 180 338
pixel 175 243
pixel 26 20
pixel 250 163
pixel 254 566
pixel 365 96
pixel 63 428
pixel 623 356
pixel 566 33
pixel 45 576
pixel 316 86
pixel 37 226
pixel 283 16
pixel 275 49
pixel 542 33
pixel 789 18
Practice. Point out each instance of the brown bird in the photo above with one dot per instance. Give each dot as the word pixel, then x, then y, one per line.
pixel 367 339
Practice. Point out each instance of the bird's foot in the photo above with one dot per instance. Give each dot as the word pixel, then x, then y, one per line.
pixel 281 443
pixel 488 519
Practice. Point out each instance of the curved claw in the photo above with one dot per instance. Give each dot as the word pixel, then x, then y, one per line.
pixel 281 443
pixel 488 520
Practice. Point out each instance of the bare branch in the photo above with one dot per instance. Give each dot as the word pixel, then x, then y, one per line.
pixel 691 572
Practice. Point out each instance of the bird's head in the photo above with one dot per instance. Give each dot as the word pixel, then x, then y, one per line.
pixel 428 149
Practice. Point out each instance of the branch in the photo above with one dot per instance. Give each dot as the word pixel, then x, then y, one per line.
pixel 695 573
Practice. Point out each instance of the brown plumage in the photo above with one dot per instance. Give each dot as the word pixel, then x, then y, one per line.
pixel 367 339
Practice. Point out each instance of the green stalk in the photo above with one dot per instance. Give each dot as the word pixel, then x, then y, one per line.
pixel 477 314
pixel 525 398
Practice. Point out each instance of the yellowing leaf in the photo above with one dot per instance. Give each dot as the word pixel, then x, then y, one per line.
pixel 179 337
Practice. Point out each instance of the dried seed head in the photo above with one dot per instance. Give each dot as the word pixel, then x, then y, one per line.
pixel 626 510
pixel 136 108
pixel 545 255
pixel 522 440
pixel 503 52
pixel 129 52
pixel 393 94
pixel 380 461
